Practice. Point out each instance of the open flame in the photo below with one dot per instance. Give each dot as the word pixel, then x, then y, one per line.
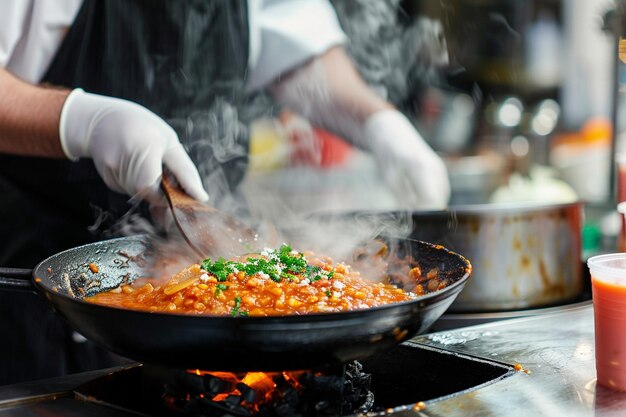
pixel 338 390
pixel 255 388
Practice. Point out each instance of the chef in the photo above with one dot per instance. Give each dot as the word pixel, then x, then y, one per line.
pixel 96 97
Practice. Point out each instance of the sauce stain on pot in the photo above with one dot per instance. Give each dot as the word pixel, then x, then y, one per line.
pixel 551 289
pixel 526 264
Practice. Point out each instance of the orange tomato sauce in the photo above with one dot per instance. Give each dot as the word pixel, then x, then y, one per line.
pixel 195 290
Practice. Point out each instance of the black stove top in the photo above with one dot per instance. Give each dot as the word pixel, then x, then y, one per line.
pixel 402 377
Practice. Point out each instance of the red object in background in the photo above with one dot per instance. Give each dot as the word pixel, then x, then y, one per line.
pixel 319 148
pixel 334 150
pixel 313 146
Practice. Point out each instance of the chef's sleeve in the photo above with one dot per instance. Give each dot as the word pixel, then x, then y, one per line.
pixel 286 33
pixel 31 32
pixel 13 20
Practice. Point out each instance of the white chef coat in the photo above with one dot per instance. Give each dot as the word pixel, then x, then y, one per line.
pixel 283 34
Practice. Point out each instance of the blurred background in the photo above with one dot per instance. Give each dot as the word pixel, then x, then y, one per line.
pixel 520 98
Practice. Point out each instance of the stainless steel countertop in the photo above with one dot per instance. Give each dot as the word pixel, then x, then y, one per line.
pixel 557 349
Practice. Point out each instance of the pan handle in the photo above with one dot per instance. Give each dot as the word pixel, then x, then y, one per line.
pixel 16 279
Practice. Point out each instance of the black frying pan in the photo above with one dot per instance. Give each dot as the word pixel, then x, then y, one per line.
pixel 227 343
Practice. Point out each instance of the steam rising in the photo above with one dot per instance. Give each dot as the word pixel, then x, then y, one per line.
pixel 215 139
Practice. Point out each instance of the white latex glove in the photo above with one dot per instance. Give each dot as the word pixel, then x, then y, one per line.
pixel 128 143
pixel 414 172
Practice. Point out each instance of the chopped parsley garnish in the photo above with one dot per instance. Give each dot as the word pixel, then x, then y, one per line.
pixel 288 276
pixel 219 288
pixel 284 263
pixel 236 309
pixel 293 263
pixel 262 266
pixel 329 293
pixel 220 268
pixel 312 271
pixel 206 264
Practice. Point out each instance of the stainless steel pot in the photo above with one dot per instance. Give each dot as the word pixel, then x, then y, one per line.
pixel 523 256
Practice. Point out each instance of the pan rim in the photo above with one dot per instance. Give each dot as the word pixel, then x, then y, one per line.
pixel 423 299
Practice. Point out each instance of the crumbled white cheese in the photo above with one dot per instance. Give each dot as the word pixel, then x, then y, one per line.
pixel 338 285
pixel 336 294
pixel 305 282
pixel 264 275
pixel 204 277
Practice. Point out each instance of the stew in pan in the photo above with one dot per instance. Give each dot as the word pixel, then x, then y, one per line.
pixel 271 282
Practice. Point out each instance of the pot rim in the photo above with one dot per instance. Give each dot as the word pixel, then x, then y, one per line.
pixel 511 207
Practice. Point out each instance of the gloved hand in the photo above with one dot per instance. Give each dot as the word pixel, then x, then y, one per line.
pixel 411 168
pixel 128 144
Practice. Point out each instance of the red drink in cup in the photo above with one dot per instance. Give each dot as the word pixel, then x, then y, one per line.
pixel 608 283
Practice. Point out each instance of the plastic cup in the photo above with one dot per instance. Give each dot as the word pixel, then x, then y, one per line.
pixel 608 285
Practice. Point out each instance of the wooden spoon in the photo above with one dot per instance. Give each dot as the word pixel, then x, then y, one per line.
pixel 209 231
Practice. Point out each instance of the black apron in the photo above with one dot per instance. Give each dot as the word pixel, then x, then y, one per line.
pixel 184 60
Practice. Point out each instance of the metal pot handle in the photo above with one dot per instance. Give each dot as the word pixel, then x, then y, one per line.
pixel 16 279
